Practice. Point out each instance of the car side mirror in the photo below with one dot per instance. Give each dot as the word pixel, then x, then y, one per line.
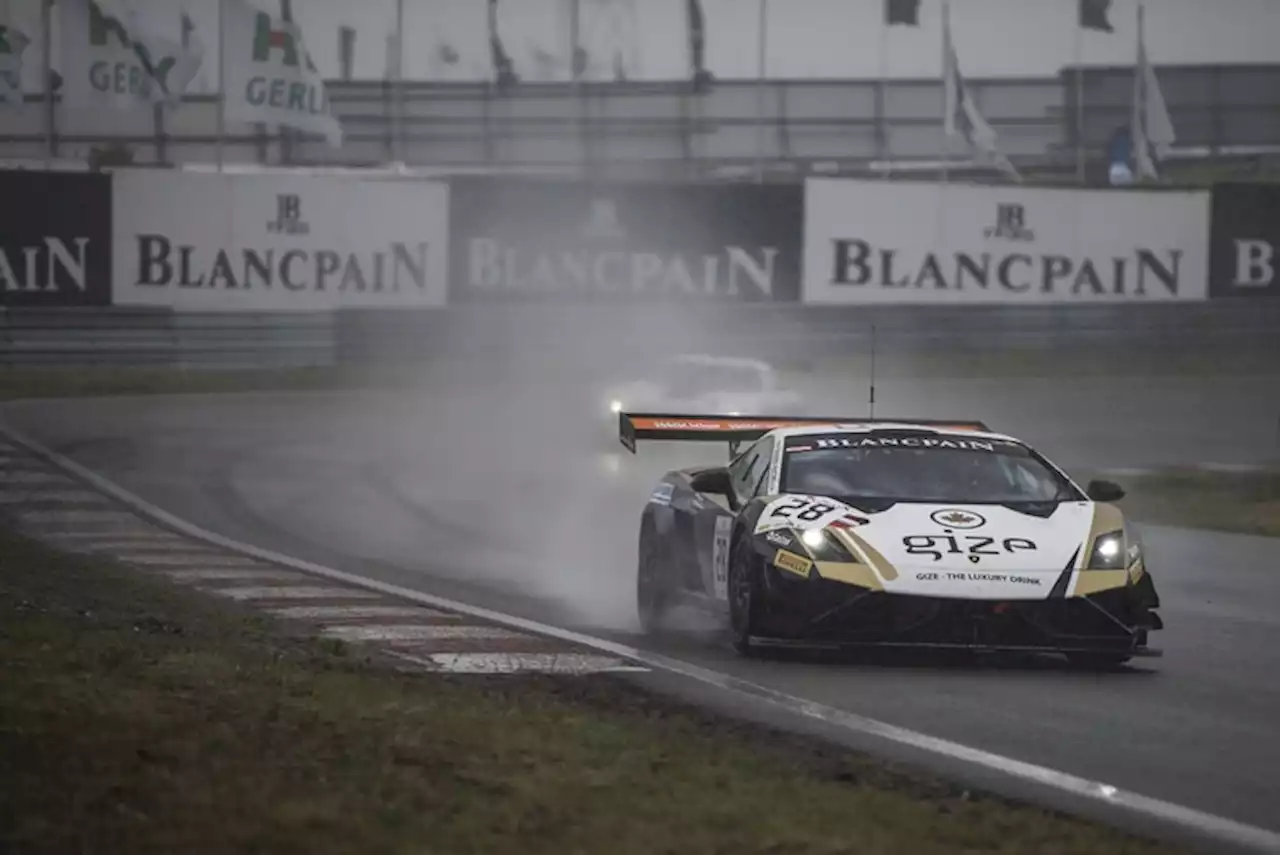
pixel 1105 491
pixel 713 481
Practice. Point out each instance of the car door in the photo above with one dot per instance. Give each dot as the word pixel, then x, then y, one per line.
pixel 713 525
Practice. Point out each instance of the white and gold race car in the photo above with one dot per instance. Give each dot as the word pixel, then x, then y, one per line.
pixel 846 532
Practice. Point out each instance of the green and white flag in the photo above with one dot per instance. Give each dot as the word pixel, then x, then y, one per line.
pixel 269 77
pixel 12 44
pixel 112 56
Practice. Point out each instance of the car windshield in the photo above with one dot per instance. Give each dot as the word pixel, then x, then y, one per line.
pixel 688 379
pixel 880 468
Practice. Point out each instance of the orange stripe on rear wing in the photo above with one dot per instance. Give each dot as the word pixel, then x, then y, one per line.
pixel 685 427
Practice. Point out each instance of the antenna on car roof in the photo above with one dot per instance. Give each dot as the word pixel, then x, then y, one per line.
pixel 872 391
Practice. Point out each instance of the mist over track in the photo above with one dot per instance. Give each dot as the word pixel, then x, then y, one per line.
pixel 502 483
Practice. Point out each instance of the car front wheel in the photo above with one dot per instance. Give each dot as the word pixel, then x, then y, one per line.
pixel 744 596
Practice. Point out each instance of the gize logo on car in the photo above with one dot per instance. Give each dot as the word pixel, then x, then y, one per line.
pixel 975 546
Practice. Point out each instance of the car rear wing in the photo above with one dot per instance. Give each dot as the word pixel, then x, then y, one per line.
pixel 735 430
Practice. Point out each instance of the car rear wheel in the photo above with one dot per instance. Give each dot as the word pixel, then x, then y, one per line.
pixel 652 596
pixel 744 595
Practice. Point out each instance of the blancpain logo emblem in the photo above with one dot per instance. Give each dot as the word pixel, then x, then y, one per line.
pixel 1011 224
pixel 956 518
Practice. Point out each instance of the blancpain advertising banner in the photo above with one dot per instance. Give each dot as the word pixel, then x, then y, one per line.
pixel 265 243
pixel 890 242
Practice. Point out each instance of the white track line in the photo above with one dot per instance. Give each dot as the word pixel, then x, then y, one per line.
pixel 1175 815
pixel 521 663
pixel 116 546
pixel 208 560
pixel 80 497
pixel 142 532
pixel 1237 468
pixel 337 613
pixel 298 592
pixel 247 574
pixel 34 476
pixel 422 632
pixel 77 517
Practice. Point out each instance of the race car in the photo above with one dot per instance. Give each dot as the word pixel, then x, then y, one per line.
pixel 840 532
pixel 703 383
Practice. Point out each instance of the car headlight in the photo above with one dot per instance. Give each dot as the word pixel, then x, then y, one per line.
pixel 1134 552
pixel 1114 551
pixel 615 406
pixel 823 547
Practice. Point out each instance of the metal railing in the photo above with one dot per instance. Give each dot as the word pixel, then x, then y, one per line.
pixel 161 338
pixel 671 130
pixel 495 335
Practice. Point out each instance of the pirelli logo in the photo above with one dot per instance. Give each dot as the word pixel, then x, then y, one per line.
pixel 791 562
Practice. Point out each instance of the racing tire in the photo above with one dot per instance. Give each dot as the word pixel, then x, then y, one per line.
pixel 652 595
pixel 1098 661
pixel 745 605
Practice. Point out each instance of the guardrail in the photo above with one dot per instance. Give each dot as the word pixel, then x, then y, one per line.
pixel 674 130
pixel 117 337
pixel 508 335
pixel 785 332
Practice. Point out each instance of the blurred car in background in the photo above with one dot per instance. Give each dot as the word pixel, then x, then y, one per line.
pixel 701 383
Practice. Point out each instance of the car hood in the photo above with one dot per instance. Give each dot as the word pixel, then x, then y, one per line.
pixel 968 551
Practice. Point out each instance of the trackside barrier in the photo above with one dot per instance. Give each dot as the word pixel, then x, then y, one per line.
pixel 501 335
pixel 311 270
pixel 507 333
pixel 162 338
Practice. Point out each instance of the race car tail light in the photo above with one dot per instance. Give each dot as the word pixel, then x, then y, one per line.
pixel 1108 552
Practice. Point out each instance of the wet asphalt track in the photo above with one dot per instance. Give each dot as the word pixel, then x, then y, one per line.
pixel 506 499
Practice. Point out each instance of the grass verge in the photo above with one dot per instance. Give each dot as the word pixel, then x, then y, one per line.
pixel 139 717
pixel 1239 502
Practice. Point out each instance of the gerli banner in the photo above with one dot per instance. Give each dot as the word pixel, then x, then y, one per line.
pixel 269 75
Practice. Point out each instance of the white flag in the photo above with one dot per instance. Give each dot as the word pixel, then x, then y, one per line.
pixel 1152 126
pixel 960 113
pixel 269 76
pixel 12 44
pixel 391 70
pixel 193 45
pixel 545 64
pixel 112 56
